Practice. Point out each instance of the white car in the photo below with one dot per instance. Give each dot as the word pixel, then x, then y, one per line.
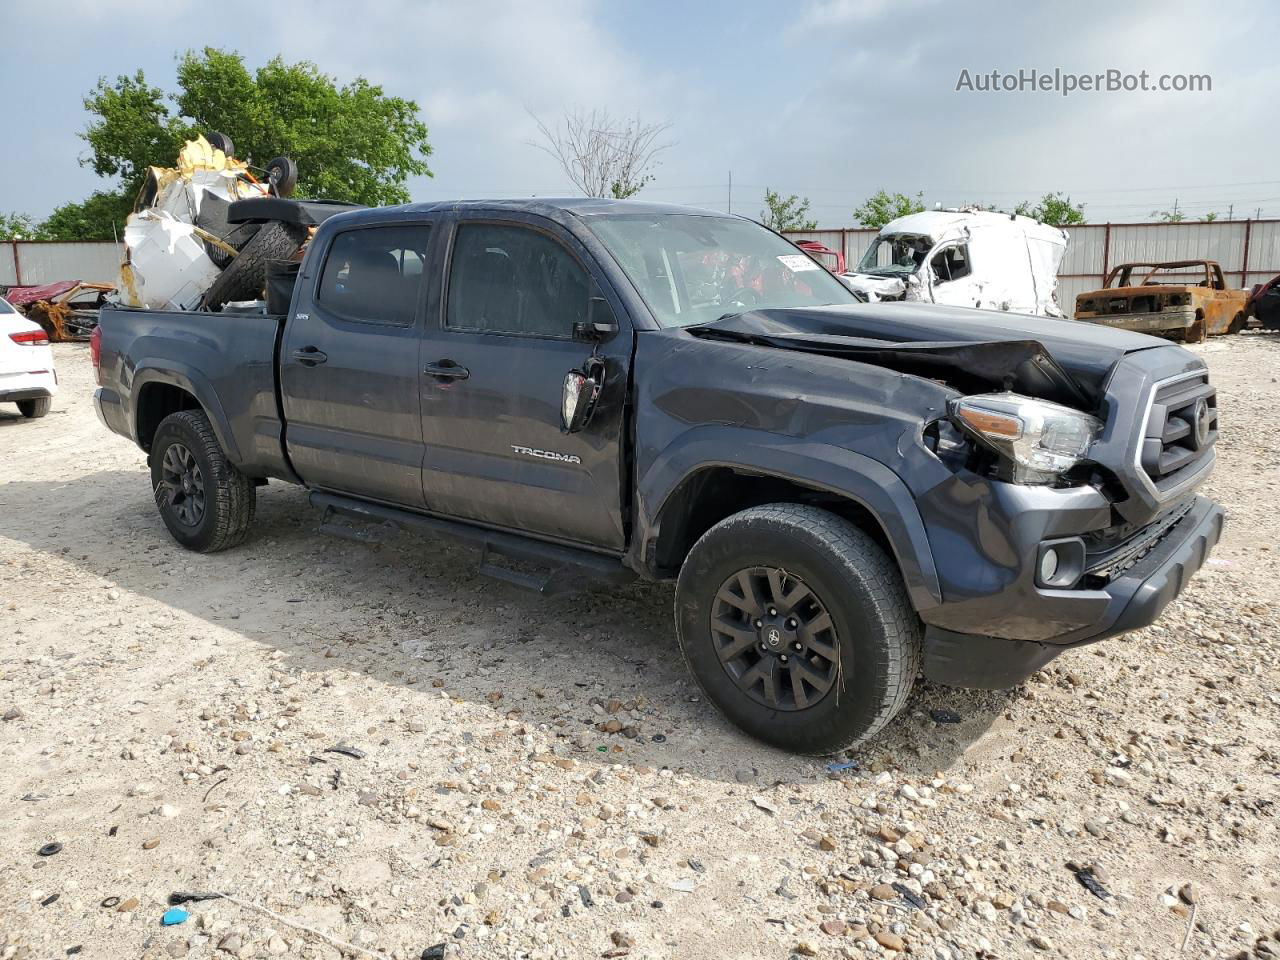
pixel 26 363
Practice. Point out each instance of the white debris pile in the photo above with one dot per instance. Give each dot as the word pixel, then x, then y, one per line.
pixel 167 261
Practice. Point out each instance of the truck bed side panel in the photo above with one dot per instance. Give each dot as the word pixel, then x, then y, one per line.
pixel 227 361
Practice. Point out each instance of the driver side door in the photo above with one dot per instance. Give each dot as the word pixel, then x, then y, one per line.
pixel 495 355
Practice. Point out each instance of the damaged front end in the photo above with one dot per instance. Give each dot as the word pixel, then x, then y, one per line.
pixel 1016 415
pixel 1058 489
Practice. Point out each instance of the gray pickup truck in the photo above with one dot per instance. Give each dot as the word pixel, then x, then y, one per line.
pixel 844 493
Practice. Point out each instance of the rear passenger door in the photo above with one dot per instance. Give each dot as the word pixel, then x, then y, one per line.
pixel 349 365
pixel 495 356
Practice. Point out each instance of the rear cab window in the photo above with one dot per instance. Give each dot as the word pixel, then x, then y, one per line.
pixel 375 274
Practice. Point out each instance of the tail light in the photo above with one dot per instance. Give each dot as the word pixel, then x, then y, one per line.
pixel 34 338
pixel 95 353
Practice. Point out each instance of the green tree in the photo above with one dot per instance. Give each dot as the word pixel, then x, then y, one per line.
pixel 881 207
pixel 1210 216
pixel 16 226
pixel 100 217
pixel 351 142
pixel 786 213
pixel 1168 216
pixel 1053 208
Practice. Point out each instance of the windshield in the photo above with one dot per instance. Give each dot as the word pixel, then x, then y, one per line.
pixel 696 269
pixel 6 307
pixel 895 254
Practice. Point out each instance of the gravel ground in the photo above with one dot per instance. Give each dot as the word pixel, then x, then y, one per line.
pixel 538 778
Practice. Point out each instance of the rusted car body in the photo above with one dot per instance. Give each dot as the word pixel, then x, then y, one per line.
pixel 67 309
pixel 1185 298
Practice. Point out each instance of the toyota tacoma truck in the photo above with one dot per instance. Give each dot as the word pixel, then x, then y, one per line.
pixel 845 494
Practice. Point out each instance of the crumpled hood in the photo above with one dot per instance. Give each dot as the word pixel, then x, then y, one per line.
pixel 1060 360
pixel 876 288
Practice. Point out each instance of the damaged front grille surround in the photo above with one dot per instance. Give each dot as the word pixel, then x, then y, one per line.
pixel 1176 445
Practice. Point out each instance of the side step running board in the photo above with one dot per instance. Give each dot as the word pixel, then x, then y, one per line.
pixel 561 561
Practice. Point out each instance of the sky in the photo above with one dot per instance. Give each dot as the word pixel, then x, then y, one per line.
pixel 827 99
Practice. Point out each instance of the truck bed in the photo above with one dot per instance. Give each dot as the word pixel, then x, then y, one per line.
pixel 227 361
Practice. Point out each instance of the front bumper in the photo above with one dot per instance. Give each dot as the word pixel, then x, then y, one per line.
pixel 1132 600
pixel 1181 319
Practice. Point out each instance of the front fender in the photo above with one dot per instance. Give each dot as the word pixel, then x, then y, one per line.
pixel 820 466
pixel 185 377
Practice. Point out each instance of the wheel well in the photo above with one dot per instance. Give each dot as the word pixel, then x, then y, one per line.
pixel 711 495
pixel 157 401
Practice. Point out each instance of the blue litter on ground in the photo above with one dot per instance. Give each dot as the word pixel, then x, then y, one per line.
pixel 174 917
pixel 842 766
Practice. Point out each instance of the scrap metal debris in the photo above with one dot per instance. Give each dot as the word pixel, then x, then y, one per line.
pixel 66 310
pixel 181 896
pixel 347 751
pixel 1090 882
pixel 906 893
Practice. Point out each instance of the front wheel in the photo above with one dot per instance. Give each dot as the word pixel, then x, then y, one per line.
pixel 206 503
pixel 797 626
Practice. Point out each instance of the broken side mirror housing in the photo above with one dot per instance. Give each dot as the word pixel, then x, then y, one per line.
pixel 600 323
pixel 579 395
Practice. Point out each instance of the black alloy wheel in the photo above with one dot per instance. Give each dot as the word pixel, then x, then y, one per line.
pixel 775 638
pixel 182 484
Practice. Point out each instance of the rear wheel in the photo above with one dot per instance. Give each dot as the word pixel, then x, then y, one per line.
pixel 206 503
pixel 33 409
pixel 797 626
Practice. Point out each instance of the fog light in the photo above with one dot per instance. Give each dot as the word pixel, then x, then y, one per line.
pixel 1048 565
pixel 1060 563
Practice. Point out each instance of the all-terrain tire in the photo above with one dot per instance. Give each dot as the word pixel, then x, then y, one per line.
pixel 229 497
pixel 34 409
pixel 879 634
pixel 246 276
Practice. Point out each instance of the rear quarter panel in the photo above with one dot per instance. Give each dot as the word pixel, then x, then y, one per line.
pixel 227 361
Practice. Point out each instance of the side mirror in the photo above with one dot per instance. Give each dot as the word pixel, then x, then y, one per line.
pixel 600 323
pixel 579 395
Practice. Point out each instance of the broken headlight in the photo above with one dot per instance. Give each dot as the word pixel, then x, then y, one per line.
pixel 1038 441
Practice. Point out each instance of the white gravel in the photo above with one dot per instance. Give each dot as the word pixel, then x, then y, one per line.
pixel 170 714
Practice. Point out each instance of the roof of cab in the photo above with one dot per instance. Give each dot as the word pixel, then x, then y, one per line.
pixel 554 207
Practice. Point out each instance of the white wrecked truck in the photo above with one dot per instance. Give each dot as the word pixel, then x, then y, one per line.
pixel 966 258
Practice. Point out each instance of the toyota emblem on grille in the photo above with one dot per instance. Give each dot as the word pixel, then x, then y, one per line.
pixel 1202 422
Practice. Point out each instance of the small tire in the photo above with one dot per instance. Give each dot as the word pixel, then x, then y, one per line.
pixel 228 499
pixel 220 141
pixel 858 585
pixel 282 174
pixel 245 277
pixel 35 409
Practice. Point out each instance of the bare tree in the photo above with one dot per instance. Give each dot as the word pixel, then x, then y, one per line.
pixel 601 156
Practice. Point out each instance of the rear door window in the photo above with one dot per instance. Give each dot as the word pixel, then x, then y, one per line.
pixel 375 274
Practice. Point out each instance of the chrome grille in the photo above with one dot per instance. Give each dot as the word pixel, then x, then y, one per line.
pixel 1182 427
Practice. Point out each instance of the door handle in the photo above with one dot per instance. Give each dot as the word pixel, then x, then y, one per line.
pixel 446 370
pixel 310 356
